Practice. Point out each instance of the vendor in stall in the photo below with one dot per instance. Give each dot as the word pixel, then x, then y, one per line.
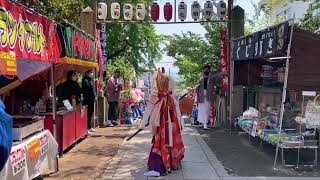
pixel 71 89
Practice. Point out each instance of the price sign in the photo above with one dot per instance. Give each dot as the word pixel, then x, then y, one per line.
pixel 18 160
pixel 44 144
pixel 8 64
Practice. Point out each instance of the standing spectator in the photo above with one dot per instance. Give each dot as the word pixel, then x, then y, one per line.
pixel 206 93
pixel 89 96
pixel 113 97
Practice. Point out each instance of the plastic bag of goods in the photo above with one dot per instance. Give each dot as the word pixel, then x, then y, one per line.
pixel 251 112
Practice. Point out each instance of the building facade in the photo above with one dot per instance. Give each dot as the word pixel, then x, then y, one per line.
pixel 284 9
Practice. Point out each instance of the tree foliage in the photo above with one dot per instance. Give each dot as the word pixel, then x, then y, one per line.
pixel 127 71
pixel 58 9
pixel 310 21
pixel 192 51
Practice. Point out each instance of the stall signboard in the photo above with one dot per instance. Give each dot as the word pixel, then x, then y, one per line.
pixel 8 64
pixel 267 43
pixel 76 44
pixel 27 33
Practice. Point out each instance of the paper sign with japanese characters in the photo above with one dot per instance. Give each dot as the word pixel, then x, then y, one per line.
pixel 18 160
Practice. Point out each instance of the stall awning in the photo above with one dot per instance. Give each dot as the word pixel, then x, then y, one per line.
pixel 304 69
pixel 74 61
pixel 25 70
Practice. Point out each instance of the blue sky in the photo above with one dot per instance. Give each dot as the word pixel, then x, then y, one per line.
pixel 170 29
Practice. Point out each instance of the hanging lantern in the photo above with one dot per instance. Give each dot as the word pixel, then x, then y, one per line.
pixel 127 12
pixel 167 10
pixel 141 12
pixel 155 11
pixel 208 10
pixel 115 10
pixel 102 11
pixel 222 10
pixel 182 11
pixel 195 10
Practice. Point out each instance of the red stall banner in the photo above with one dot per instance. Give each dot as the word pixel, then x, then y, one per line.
pixel 27 34
pixel 99 55
pixel 224 60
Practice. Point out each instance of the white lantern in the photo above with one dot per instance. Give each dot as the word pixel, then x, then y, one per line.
pixel 115 10
pixel 141 12
pixel 222 10
pixel 195 10
pixel 182 11
pixel 208 10
pixel 102 11
pixel 128 12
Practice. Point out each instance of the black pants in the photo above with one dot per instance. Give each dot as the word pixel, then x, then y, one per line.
pixel 113 113
pixel 90 113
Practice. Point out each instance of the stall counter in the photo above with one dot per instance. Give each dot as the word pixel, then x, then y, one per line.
pixel 70 126
pixel 34 156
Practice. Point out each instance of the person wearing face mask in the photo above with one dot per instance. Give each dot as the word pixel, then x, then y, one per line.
pixel 113 97
pixel 205 93
pixel 89 96
pixel 71 88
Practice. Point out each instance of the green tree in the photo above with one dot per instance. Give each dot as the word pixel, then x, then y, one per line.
pixel 262 17
pixel 127 71
pixel 58 9
pixel 192 51
pixel 310 21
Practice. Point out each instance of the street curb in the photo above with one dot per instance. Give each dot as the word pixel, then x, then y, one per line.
pixel 216 164
pixel 110 171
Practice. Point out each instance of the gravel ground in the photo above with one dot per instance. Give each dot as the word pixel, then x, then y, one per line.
pixel 242 157
pixel 89 158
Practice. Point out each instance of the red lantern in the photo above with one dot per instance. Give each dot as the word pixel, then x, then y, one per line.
pixel 155 11
pixel 167 11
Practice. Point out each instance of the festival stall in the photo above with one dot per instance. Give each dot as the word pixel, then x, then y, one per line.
pixel 29 48
pixel 79 55
pixel 273 69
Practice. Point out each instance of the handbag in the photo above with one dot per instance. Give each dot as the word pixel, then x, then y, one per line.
pixel 312 113
pixel 5 135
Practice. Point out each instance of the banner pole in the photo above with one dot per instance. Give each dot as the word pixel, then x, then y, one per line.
pixel 284 92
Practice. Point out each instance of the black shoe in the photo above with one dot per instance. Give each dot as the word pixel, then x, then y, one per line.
pixel 196 123
pixel 115 123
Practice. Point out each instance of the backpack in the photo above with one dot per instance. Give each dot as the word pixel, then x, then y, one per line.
pixel 5 135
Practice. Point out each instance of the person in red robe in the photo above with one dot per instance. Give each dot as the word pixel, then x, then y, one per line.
pixel 162 114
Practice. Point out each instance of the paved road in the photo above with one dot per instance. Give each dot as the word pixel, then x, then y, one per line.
pixel 199 162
